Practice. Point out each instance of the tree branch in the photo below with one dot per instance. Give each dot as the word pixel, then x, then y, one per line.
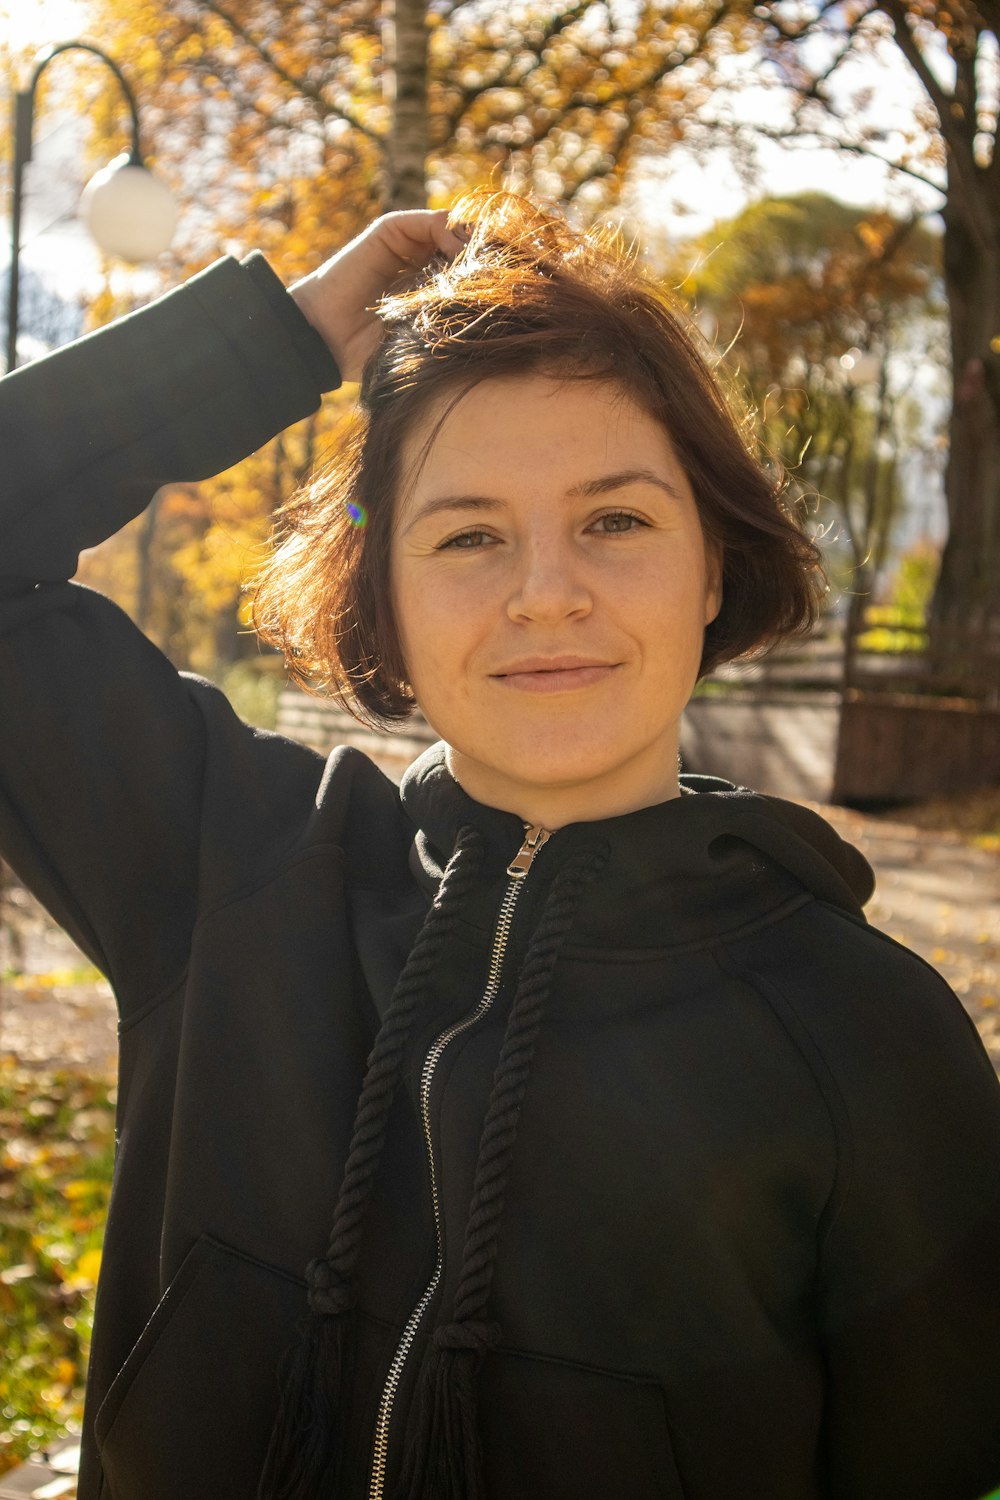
pixel 815 87
pixel 939 97
pixel 854 148
pixel 623 95
pixel 501 75
pixel 605 168
pixel 300 85
pixel 813 24
pixel 634 91
pixel 968 192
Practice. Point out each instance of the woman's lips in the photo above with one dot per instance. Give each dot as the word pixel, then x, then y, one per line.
pixel 557 680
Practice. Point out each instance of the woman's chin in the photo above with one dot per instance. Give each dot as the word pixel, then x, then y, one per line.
pixel 548 774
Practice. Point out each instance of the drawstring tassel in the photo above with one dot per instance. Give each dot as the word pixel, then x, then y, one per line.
pixel 303 1457
pixel 444 1460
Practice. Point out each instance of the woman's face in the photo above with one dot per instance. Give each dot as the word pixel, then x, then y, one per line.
pixel 551 587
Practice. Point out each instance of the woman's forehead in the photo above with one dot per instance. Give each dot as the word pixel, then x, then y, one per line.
pixel 513 422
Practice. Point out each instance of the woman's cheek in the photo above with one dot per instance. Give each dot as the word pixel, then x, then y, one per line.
pixel 433 612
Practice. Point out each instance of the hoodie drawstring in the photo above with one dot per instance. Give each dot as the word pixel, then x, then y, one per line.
pixel 443 1459
pixel 306 1445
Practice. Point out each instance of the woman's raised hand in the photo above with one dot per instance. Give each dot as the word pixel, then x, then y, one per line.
pixel 337 297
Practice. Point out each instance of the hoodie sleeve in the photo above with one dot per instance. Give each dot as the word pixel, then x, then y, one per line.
pixel 906 1289
pixel 103 745
pixel 910 1267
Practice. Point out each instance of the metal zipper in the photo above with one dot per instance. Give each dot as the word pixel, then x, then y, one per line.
pixel 517 870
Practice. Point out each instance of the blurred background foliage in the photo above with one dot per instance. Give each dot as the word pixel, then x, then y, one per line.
pixel 833 316
pixel 287 125
pixel 56 1163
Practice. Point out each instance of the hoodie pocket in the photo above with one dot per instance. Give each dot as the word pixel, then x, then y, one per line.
pixel 190 1411
pixel 570 1432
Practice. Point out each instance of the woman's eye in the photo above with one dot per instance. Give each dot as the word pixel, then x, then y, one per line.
pixel 466 540
pixel 619 521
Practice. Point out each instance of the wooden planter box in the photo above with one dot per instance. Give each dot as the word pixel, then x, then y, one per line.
pixel 904 747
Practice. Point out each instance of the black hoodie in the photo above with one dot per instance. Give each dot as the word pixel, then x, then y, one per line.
pixel 715 1198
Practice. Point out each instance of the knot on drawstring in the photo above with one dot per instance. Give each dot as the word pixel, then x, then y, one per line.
pixel 478 1337
pixel 329 1294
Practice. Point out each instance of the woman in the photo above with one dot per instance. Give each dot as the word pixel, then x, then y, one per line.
pixel 554 1125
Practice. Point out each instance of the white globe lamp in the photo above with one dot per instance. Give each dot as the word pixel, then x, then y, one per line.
pixel 129 212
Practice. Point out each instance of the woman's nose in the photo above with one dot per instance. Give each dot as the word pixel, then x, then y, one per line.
pixel 548 584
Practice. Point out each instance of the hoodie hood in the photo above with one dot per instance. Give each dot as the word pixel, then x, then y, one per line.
pixel 683 871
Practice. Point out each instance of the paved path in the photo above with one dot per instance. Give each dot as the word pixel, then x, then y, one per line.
pixel 935 894
pixel 48 1017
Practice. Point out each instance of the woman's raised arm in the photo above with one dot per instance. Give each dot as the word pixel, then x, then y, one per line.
pixel 131 794
pixel 183 389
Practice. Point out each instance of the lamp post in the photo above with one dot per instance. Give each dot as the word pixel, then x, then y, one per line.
pixel 127 210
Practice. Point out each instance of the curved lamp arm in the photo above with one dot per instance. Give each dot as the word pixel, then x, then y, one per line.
pixel 24 103
pixel 25 99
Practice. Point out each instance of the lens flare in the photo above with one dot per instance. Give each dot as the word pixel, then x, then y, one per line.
pixel 357 515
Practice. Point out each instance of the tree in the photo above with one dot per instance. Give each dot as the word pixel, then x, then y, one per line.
pixel 309 106
pixel 952 146
pixel 807 294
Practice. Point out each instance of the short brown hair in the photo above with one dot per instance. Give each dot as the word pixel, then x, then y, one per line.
pixel 528 294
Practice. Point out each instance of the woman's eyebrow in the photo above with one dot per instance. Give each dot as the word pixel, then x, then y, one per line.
pixel 454 502
pixel 601 485
pixel 616 481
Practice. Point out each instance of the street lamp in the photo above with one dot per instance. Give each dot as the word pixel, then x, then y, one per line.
pixel 127 210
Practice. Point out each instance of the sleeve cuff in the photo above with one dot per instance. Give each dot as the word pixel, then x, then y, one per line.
pixel 309 345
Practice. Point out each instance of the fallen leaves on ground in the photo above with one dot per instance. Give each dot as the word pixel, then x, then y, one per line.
pixel 56 1161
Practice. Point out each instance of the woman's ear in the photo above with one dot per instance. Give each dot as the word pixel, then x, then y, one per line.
pixel 713 576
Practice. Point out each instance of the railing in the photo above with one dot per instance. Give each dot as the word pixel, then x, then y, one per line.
pixel 889 655
pixel 873 656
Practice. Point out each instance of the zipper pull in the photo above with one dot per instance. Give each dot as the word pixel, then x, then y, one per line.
pixel 534 837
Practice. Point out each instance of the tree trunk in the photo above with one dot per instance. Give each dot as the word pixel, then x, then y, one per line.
pixel 965 611
pixel 405 88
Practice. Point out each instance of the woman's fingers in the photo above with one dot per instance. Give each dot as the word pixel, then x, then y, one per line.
pixel 338 297
pixel 415 236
